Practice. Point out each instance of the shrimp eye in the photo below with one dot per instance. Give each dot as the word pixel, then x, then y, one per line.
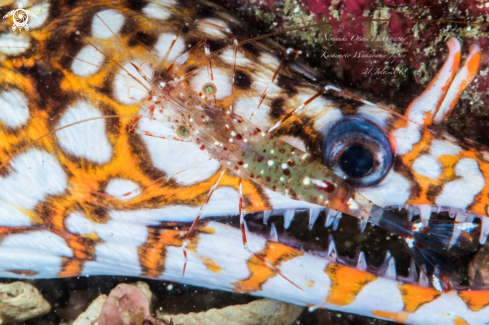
pixel 183 131
pixel 209 89
pixel 358 151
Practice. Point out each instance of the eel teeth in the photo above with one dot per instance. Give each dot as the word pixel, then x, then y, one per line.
pixel 459 217
pixel 361 262
pixel 273 233
pixel 388 268
pixel 362 224
pixel 332 248
pixel 266 216
pixel 484 230
pixel 478 280
pixel 423 280
pixel 331 217
pixel 313 216
pixel 336 222
pixel 413 274
pixel 412 211
pixel 424 213
pixel 288 216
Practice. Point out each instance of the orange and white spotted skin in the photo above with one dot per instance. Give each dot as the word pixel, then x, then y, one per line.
pixel 82 61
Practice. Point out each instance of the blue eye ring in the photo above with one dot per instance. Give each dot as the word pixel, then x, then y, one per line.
pixel 365 143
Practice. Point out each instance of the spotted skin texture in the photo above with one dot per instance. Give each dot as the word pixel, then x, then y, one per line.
pixel 56 222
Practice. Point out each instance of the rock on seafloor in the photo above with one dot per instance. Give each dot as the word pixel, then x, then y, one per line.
pixel 263 311
pixel 134 303
pixel 20 301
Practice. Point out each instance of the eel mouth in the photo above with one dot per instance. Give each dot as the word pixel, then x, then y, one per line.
pixel 342 238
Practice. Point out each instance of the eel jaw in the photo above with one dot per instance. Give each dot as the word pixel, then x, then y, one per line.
pixel 313 232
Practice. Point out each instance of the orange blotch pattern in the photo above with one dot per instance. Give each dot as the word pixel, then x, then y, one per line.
pixel 347 282
pixel 275 254
pixel 399 317
pixel 414 296
pixel 475 299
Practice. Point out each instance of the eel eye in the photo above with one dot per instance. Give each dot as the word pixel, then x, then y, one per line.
pixel 183 131
pixel 358 151
pixel 209 89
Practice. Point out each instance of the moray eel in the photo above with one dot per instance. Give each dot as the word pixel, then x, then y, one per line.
pixel 82 192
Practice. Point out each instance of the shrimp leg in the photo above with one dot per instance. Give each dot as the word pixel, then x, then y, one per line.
pixel 242 225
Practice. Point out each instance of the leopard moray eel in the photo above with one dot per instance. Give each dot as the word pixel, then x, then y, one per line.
pixel 74 64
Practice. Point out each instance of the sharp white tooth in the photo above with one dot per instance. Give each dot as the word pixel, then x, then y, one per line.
pixel 362 263
pixel 452 212
pixel 330 217
pixel 388 268
pixel 411 212
pixel 362 224
pixel 391 272
pixel 459 217
pixel 478 280
pixel 413 275
pixel 401 207
pixel 273 233
pixel 436 283
pixel 313 216
pixel 423 280
pixel 484 230
pixel 332 248
pixel 337 221
pixel 288 216
pixel 266 216
pixel 424 213
pixel 438 209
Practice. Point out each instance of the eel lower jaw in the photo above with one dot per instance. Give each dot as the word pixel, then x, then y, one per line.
pixel 312 231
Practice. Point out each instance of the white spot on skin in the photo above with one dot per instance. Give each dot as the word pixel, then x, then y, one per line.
pixel 427 165
pixel 443 147
pixel 241 60
pixel 222 80
pixel 244 107
pixel 44 241
pixel 41 11
pixel 393 190
pixel 269 61
pixel 198 273
pixel 461 192
pixel 156 11
pixel 295 142
pixel 12 217
pixel 279 202
pixel 13 44
pixel 87 61
pixel 14 111
pixel 46 264
pixel 302 270
pixel 163 45
pixel 406 137
pixel 114 259
pixel 224 202
pixel 375 114
pixel 128 90
pixel 118 187
pixel 87 140
pixel 114 231
pixel 37 174
pixel 107 23
pixel 183 156
pixel 211 30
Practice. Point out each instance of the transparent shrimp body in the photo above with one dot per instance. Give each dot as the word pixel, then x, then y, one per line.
pixel 258 156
